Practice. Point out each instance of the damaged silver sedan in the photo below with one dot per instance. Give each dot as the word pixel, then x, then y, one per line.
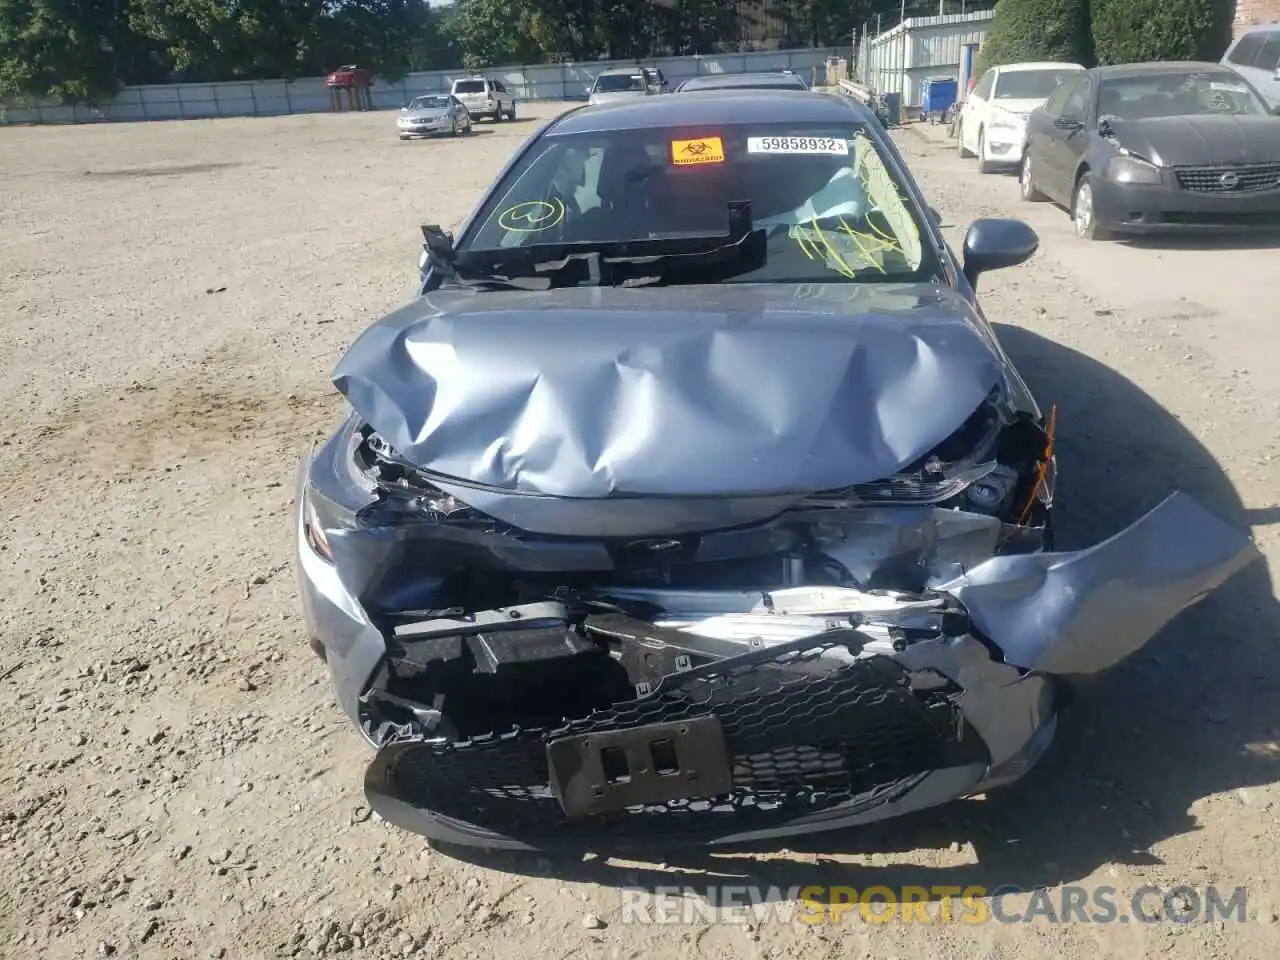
pixel 695 499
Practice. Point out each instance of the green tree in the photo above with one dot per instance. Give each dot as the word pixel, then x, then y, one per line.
pixel 75 50
pixel 1128 31
pixel 494 32
pixel 1037 30
pixel 234 39
pixel 382 35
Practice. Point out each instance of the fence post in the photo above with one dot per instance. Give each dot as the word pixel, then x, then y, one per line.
pixel 217 105
pixel 177 89
pixel 253 96
pixel 288 102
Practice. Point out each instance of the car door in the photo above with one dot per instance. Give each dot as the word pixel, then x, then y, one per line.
pixel 976 108
pixel 1065 138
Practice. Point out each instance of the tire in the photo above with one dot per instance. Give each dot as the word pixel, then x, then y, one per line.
pixel 405 136
pixel 984 165
pixel 453 128
pixel 1084 210
pixel 964 154
pixel 1026 183
pixel 511 114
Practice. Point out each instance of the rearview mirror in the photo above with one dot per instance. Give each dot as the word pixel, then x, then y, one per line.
pixel 438 243
pixel 992 244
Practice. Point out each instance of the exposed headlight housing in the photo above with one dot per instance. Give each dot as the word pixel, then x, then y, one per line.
pixel 402 491
pixel 964 459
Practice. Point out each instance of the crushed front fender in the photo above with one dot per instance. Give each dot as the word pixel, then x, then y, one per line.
pixel 1079 613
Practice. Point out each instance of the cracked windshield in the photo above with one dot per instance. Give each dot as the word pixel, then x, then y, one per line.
pixel 826 201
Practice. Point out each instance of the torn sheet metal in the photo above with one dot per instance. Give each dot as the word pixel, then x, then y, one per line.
pixel 1084 611
pixel 742 390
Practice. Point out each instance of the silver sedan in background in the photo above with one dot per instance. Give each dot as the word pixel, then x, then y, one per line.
pixel 431 114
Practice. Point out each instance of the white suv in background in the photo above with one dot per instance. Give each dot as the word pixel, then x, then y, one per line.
pixel 485 97
pixel 993 120
pixel 1255 55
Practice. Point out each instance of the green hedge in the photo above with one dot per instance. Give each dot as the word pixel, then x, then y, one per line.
pixel 1037 30
pixel 1128 31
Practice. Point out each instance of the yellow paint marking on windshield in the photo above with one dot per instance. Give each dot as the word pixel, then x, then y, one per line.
pixel 532 216
pixel 835 259
pixel 859 240
pixel 884 194
pixel 702 150
pixel 796 233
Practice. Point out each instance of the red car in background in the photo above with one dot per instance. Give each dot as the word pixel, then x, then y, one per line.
pixel 349 76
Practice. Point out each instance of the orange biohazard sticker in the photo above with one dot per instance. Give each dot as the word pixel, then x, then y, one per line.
pixel 703 150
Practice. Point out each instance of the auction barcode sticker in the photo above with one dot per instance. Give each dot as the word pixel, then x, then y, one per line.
pixel 832 146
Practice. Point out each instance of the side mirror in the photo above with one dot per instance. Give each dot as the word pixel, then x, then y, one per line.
pixel 438 243
pixel 992 244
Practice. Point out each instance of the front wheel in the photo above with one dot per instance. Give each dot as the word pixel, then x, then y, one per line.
pixel 964 154
pixel 1026 180
pixel 1084 211
pixel 511 114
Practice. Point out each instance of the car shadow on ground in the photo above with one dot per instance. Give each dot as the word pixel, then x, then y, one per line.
pixel 1206 241
pixel 1193 714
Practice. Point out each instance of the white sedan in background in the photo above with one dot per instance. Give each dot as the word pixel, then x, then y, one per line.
pixel 993 119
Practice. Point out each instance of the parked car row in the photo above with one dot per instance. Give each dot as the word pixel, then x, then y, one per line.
pixel 1136 148
pixel 477 97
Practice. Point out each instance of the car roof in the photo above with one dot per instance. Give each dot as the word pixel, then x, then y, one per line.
pixel 625 71
pixel 1124 70
pixel 1271 27
pixel 712 108
pixel 1038 65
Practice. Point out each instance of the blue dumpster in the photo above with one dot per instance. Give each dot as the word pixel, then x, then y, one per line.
pixel 939 96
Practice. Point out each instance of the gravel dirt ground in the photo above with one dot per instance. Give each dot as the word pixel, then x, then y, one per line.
pixel 175 779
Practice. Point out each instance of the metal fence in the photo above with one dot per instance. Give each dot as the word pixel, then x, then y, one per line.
pixel 900 60
pixel 566 81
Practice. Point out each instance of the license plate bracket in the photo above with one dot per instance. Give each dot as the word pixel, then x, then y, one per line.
pixel 606 771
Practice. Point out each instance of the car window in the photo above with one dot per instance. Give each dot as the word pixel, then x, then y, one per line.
pixel 1243 53
pixel 1030 84
pixel 430 102
pixel 616 82
pixel 468 86
pixel 1178 94
pixel 826 198
pixel 1268 57
pixel 1077 104
pixel 499 86
pixel 983 88
pixel 1058 99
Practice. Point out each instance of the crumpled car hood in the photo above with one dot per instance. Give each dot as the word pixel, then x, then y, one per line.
pixel 1201 140
pixel 747 390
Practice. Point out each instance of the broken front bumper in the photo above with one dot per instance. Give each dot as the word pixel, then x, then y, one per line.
pixel 786 736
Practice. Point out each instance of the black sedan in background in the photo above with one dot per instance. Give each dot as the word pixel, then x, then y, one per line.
pixel 779 80
pixel 1146 147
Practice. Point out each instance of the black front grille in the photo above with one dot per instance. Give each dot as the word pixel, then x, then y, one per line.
pixel 798 745
pixel 1247 178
